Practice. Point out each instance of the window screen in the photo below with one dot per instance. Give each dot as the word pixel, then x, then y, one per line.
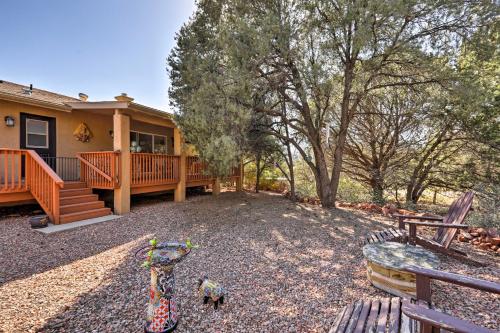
pixel 37 133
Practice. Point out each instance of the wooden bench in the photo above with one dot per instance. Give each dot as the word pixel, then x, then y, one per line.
pixel 402 315
pixel 386 235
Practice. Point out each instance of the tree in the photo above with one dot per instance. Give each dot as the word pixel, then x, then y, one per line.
pixel 462 150
pixel 262 146
pixel 209 120
pixel 323 58
pixel 382 138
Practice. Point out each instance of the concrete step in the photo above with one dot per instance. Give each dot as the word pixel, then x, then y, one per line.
pixel 78 199
pixel 87 214
pixel 74 192
pixel 79 207
pixel 74 185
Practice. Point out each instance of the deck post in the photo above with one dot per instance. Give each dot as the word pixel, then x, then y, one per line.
pixel 121 142
pixel 239 180
pixel 180 189
pixel 216 186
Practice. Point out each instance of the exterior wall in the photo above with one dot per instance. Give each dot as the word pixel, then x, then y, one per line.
pixel 66 123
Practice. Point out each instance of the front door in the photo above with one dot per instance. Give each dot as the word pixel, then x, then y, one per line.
pixel 39 134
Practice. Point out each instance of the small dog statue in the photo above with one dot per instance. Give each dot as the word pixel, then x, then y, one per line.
pixel 209 289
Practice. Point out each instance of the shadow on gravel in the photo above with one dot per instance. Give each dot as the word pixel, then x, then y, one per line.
pixel 283 266
pixel 24 251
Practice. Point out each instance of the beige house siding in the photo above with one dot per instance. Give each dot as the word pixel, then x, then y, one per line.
pixel 66 123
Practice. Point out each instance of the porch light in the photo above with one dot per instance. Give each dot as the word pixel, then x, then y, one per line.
pixel 9 121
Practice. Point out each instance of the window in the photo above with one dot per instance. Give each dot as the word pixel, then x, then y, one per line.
pixel 160 144
pixel 147 143
pixel 37 133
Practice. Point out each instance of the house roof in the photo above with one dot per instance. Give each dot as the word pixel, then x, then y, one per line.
pixel 23 93
pixel 20 93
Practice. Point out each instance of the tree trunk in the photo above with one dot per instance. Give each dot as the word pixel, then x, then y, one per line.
pixel 377 187
pixel 290 156
pixel 345 118
pixel 257 173
pixel 323 189
pixel 413 193
pixel 378 194
pixel 434 198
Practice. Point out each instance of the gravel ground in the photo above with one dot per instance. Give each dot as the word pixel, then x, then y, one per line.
pixel 287 268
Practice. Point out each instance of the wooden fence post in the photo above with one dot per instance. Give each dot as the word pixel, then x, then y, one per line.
pixel 121 142
pixel 180 188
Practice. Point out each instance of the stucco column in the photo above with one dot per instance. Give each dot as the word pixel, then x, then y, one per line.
pixel 180 189
pixel 216 186
pixel 121 142
pixel 239 180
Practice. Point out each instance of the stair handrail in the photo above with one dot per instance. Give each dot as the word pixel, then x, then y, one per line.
pixel 46 168
pixel 93 167
pixel 46 196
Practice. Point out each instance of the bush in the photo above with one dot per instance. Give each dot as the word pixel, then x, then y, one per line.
pixel 271 179
pixel 486 208
pixel 353 191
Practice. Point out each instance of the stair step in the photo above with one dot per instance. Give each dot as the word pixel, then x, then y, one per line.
pixel 74 185
pixel 75 192
pixel 79 207
pixel 87 214
pixel 78 199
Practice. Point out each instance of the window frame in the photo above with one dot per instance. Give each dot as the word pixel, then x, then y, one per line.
pixel 46 134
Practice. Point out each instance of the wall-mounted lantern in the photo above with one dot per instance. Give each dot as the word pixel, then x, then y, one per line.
pixel 10 121
pixel 111 133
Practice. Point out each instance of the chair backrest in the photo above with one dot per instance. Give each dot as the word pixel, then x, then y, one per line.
pixel 456 215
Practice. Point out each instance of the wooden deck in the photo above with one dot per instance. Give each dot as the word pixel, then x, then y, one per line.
pixel 25 176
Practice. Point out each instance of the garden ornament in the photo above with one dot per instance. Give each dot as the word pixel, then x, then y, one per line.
pixel 209 289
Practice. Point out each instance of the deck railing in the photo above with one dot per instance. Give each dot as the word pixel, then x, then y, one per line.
pixel 100 169
pixel 24 170
pixel 11 175
pixel 147 169
pixel 196 169
pixel 236 172
pixel 68 168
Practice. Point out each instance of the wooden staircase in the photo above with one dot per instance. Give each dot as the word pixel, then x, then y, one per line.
pixel 76 203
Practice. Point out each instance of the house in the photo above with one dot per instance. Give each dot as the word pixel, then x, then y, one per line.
pixel 59 150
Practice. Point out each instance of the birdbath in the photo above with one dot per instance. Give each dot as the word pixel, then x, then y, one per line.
pixel 162 315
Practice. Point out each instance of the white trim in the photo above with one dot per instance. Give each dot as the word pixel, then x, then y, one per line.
pixel 46 134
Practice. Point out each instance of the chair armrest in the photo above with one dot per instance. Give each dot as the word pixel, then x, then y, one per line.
pixel 441 320
pixel 434 224
pixel 455 279
pixel 430 218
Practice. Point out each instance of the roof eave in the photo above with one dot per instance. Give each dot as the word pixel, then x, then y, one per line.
pixel 34 102
pixel 97 105
pixel 150 111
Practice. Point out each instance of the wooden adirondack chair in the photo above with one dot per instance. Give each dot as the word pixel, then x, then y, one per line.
pixel 397 315
pixel 448 227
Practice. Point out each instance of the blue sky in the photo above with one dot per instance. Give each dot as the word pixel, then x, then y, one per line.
pixel 99 47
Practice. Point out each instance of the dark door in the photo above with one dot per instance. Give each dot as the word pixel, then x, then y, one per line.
pixel 39 134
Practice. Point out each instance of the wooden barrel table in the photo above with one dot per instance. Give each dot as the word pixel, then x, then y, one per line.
pixel 385 262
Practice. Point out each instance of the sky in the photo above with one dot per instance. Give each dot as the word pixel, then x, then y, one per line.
pixel 99 47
